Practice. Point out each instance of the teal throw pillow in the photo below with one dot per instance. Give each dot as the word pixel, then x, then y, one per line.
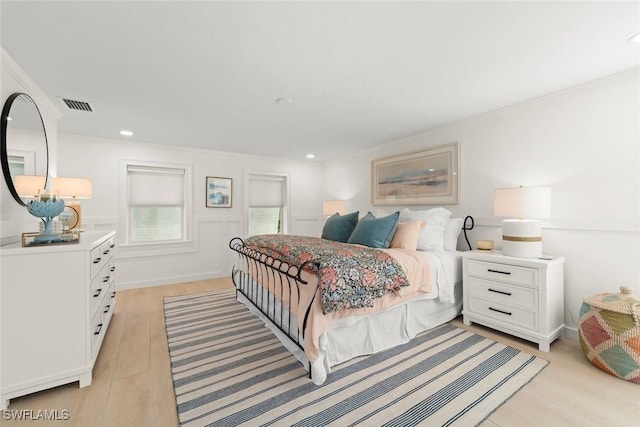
pixel 339 227
pixel 375 232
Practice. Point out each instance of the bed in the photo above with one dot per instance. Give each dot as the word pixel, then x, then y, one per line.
pixel 289 293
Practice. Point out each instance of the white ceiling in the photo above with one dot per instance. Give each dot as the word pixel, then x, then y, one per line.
pixel 207 74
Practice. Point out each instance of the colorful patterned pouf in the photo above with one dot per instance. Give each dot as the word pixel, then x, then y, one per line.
pixel 610 333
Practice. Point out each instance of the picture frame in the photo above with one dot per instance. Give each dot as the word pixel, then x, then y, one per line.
pixel 427 177
pixel 219 192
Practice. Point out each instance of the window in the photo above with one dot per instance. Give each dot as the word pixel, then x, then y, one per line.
pixel 266 204
pixel 16 165
pixel 265 220
pixel 157 208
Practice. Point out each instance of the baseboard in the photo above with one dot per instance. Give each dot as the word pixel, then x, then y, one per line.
pixel 171 280
pixel 571 333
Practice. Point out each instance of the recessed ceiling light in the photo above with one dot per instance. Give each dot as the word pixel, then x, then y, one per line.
pixel 635 38
pixel 284 101
pixel 125 132
pixel 311 156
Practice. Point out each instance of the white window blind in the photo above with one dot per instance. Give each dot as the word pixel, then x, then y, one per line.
pixel 153 186
pixel 156 203
pixel 266 204
pixel 266 191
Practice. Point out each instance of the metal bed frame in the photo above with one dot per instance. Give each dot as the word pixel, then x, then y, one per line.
pixel 272 275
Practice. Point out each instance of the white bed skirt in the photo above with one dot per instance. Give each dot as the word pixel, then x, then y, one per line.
pixel 363 335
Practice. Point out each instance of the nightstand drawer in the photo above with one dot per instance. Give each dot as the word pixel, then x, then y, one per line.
pixel 503 272
pixel 513 296
pixel 511 315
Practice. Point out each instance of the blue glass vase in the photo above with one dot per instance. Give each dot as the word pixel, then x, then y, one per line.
pixel 46 210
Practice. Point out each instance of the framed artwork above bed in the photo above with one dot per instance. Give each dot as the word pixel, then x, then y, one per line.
pixel 428 177
pixel 218 192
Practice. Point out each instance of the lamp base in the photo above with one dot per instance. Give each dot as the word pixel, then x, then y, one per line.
pixel 522 238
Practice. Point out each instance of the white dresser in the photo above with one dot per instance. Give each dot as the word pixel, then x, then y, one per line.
pixel 56 303
pixel 520 296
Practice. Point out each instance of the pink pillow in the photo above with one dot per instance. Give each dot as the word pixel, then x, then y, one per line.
pixel 407 235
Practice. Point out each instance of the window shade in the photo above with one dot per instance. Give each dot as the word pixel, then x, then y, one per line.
pixel 266 191
pixel 152 186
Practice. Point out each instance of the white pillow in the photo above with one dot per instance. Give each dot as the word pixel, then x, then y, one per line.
pixel 432 235
pixel 451 233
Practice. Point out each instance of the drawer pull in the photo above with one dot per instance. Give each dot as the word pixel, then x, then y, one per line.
pixel 500 311
pixel 106 252
pixel 111 246
pixel 499 272
pixel 105 279
pixel 500 292
pixel 106 308
pixel 98 292
pixel 97 332
pixel 113 294
pixel 97 260
pixel 112 269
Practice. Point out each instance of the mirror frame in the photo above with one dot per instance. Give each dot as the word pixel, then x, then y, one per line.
pixel 4 158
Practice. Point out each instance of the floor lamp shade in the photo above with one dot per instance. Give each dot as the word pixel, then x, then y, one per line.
pixel 74 189
pixel 522 236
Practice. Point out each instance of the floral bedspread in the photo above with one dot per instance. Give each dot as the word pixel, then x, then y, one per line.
pixel 349 276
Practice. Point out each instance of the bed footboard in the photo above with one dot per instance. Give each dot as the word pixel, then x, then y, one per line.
pixel 265 282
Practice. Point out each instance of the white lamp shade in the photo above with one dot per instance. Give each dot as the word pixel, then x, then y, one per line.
pixel 522 202
pixel 28 185
pixel 329 207
pixel 73 188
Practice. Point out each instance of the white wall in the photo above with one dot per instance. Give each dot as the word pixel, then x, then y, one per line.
pixel 208 255
pixel 583 142
pixel 14 218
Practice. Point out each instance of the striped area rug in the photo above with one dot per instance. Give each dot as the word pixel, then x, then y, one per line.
pixel 229 369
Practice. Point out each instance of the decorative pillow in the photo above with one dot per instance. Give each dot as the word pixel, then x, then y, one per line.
pixel 451 233
pixel 432 235
pixel 407 235
pixel 375 232
pixel 339 227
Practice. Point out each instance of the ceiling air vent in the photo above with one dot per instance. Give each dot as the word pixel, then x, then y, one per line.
pixel 77 105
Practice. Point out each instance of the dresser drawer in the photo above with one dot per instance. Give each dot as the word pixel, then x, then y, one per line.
pixel 106 249
pixel 512 296
pixel 99 288
pixel 97 329
pixel 503 273
pixel 97 260
pixel 101 255
pixel 511 315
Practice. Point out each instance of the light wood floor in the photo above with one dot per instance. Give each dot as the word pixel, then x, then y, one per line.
pixel 132 380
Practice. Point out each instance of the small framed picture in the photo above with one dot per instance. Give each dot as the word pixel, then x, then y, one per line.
pixel 219 192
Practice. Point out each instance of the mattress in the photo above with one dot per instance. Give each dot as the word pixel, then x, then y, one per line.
pixel 446 271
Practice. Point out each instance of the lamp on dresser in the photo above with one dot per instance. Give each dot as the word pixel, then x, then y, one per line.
pixel 522 236
pixel 74 189
pixel 27 186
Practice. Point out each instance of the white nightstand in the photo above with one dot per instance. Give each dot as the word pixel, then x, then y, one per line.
pixel 520 296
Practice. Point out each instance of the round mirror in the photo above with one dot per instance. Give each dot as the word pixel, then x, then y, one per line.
pixel 24 141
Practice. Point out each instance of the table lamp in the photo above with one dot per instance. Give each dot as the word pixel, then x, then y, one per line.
pixel 27 186
pixel 330 207
pixel 74 189
pixel 522 237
